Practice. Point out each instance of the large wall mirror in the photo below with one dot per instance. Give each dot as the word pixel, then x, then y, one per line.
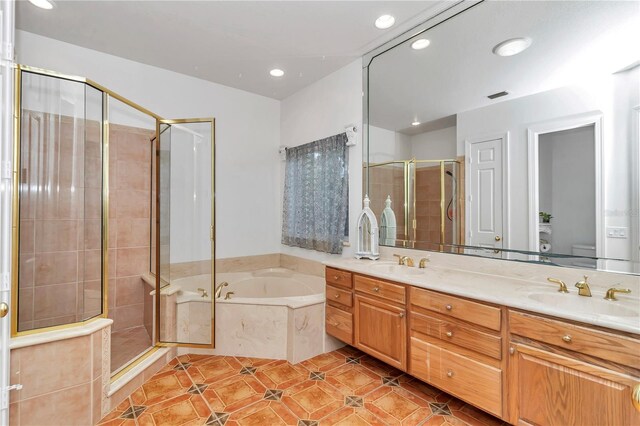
pixel 511 130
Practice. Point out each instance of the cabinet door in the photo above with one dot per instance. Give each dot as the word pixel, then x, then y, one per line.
pixel 381 330
pixel 558 390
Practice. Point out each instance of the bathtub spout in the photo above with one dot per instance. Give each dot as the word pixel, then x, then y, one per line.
pixel 219 289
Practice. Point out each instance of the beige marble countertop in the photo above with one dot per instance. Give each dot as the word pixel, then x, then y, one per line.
pixel 540 297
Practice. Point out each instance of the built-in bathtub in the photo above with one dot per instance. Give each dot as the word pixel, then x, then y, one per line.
pixel 269 313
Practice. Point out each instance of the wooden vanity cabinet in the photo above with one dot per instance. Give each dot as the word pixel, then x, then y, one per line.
pixel 457 346
pixel 380 320
pixel 339 306
pixel 563 374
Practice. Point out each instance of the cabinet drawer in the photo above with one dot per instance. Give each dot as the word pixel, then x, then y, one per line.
pixel 459 334
pixel 473 312
pixel 339 324
pixel 621 349
pixel 338 277
pixel 382 289
pixel 337 295
pixel 472 381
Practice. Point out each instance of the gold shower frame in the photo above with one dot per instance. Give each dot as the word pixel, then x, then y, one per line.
pixel 106 95
pixel 410 196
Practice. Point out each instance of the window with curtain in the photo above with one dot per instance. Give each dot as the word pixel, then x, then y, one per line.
pixel 316 195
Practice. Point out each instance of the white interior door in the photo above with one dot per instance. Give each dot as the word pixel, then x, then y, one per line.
pixel 485 196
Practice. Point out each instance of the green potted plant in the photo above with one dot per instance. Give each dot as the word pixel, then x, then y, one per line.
pixel 545 217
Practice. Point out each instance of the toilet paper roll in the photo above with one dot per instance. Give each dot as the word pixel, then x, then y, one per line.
pixel 545 247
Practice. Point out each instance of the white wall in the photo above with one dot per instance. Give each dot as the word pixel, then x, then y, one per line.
pixel 247 133
pixel 435 145
pixel 388 145
pixel 320 110
pixel 613 96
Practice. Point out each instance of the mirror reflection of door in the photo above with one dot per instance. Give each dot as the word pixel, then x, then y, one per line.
pixel 485 188
pixel 567 194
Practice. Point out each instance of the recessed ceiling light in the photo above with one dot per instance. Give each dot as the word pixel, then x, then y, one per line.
pixel 42 4
pixel 276 72
pixel 385 21
pixel 512 46
pixel 415 123
pixel 420 44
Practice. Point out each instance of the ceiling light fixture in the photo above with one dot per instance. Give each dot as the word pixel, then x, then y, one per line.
pixel 385 21
pixel 276 72
pixel 42 4
pixel 420 44
pixel 512 46
pixel 415 123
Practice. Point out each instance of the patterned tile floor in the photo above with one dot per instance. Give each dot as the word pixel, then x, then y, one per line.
pixel 344 387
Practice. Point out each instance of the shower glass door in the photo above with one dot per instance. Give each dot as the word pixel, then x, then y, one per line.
pixel 184 216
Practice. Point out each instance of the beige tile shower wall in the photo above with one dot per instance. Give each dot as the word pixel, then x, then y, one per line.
pixel 388 181
pixel 428 204
pixel 60 226
pixel 129 223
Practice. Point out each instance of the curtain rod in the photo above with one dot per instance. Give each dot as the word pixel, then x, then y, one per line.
pixel 350 130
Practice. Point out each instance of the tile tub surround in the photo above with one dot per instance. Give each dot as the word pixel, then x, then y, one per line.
pixel 507 283
pixel 289 324
pixel 344 387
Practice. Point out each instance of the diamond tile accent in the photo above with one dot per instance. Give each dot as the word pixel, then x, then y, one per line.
pixel 182 366
pixel 353 360
pixel 197 388
pixel 440 408
pixel 307 423
pixel 217 419
pixel 133 412
pixel 353 401
pixel 390 381
pixel 273 395
pixel 248 370
pixel 316 375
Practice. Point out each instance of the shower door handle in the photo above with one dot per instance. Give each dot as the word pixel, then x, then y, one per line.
pixel 4 310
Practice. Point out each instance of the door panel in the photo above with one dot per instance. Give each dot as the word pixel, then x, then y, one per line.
pixel 485 194
pixel 184 226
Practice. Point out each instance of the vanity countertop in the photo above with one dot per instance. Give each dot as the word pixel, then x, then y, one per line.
pixel 539 297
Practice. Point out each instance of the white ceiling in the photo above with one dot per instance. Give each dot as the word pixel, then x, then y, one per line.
pixel 234 43
pixel 572 42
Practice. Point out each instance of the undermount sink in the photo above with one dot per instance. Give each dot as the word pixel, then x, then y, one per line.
pixel 396 269
pixel 591 305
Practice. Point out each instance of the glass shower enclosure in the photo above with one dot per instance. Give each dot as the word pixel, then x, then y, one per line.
pixel 113 217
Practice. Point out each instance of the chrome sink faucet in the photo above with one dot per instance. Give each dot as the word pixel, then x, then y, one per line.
pixel 583 287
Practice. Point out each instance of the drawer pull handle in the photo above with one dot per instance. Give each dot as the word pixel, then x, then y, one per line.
pixel 449 373
pixel 401 315
pixel 337 296
pixel 449 333
pixel 449 307
pixel 635 396
pixel 376 289
pixel 566 338
pixel 512 350
pixel 335 324
pixel 336 277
